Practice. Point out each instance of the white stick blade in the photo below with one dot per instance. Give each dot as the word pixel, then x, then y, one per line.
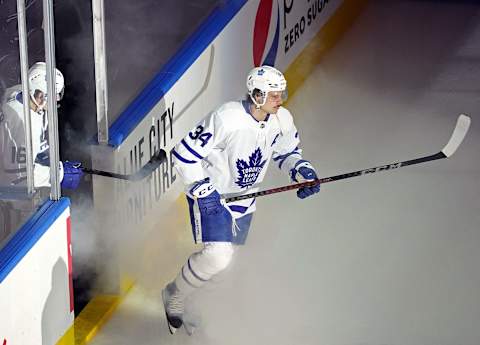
pixel 461 129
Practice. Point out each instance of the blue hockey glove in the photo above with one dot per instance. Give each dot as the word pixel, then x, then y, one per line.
pixel 72 174
pixel 201 189
pixel 211 214
pixel 207 197
pixel 302 172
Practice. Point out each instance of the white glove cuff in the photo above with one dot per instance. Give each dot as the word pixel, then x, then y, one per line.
pixel 200 189
pixel 305 164
pixel 295 175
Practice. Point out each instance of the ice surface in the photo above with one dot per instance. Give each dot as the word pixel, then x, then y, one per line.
pixel 390 258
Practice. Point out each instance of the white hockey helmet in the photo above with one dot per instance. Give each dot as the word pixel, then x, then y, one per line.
pixel 37 80
pixel 264 79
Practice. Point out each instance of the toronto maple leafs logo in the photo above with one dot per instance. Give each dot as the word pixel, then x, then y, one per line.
pixel 248 172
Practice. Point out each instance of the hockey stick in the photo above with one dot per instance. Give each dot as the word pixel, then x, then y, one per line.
pixel 461 129
pixel 154 162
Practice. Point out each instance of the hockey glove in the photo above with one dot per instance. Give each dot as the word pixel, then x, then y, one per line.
pixel 72 174
pixel 201 189
pixel 302 172
pixel 207 197
pixel 211 214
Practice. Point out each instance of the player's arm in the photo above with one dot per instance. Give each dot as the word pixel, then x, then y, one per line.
pixel 188 156
pixel 195 147
pixel 70 173
pixel 14 155
pixel 288 157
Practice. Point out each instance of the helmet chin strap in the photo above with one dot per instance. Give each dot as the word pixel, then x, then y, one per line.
pixel 258 105
pixel 40 107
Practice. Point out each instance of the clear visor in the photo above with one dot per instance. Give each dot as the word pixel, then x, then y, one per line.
pixel 40 98
pixel 277 95
pixel 259 98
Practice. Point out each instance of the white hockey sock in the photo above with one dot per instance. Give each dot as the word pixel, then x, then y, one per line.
pixel 203 265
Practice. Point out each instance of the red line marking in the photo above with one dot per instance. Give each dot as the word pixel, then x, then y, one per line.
pixel 70 265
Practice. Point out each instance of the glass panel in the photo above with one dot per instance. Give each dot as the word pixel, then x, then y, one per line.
pixel 16 205
pixel 141 36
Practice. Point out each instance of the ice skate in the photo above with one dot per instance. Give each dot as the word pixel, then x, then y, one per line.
pixel 174 307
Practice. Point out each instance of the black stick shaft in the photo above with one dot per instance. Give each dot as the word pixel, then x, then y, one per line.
pixel 368 171
pixel 105 173
pixel 143 172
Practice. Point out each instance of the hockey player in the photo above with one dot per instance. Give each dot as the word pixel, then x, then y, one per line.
pixel 228 152
pixel 12 136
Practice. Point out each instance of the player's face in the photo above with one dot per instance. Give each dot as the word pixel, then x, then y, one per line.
pixel 40 99
pixel 274 101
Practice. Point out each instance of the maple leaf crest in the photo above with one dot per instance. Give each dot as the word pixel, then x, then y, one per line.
pixel 248 172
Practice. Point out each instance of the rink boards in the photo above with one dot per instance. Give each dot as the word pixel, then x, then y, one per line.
pixel 36 291
pixel 208 70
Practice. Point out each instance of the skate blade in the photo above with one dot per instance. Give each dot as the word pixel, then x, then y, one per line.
pixel 171 328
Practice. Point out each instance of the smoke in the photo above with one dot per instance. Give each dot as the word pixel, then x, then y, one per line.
pixel 136 49
pixel 385 259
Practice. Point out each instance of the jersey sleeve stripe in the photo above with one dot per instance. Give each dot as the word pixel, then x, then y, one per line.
pixel 282 158
pixel 181 159
pixel 192 151
pixel 43 158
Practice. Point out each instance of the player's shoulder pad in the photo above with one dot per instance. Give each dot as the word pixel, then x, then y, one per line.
pixel 12 93
pixel 230 113
pixel 13 102
pixel 285 119
pixel 14 99
pixel 229 108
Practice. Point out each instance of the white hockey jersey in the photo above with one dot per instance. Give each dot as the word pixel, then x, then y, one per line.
pixel 12 144
pixel 234 149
